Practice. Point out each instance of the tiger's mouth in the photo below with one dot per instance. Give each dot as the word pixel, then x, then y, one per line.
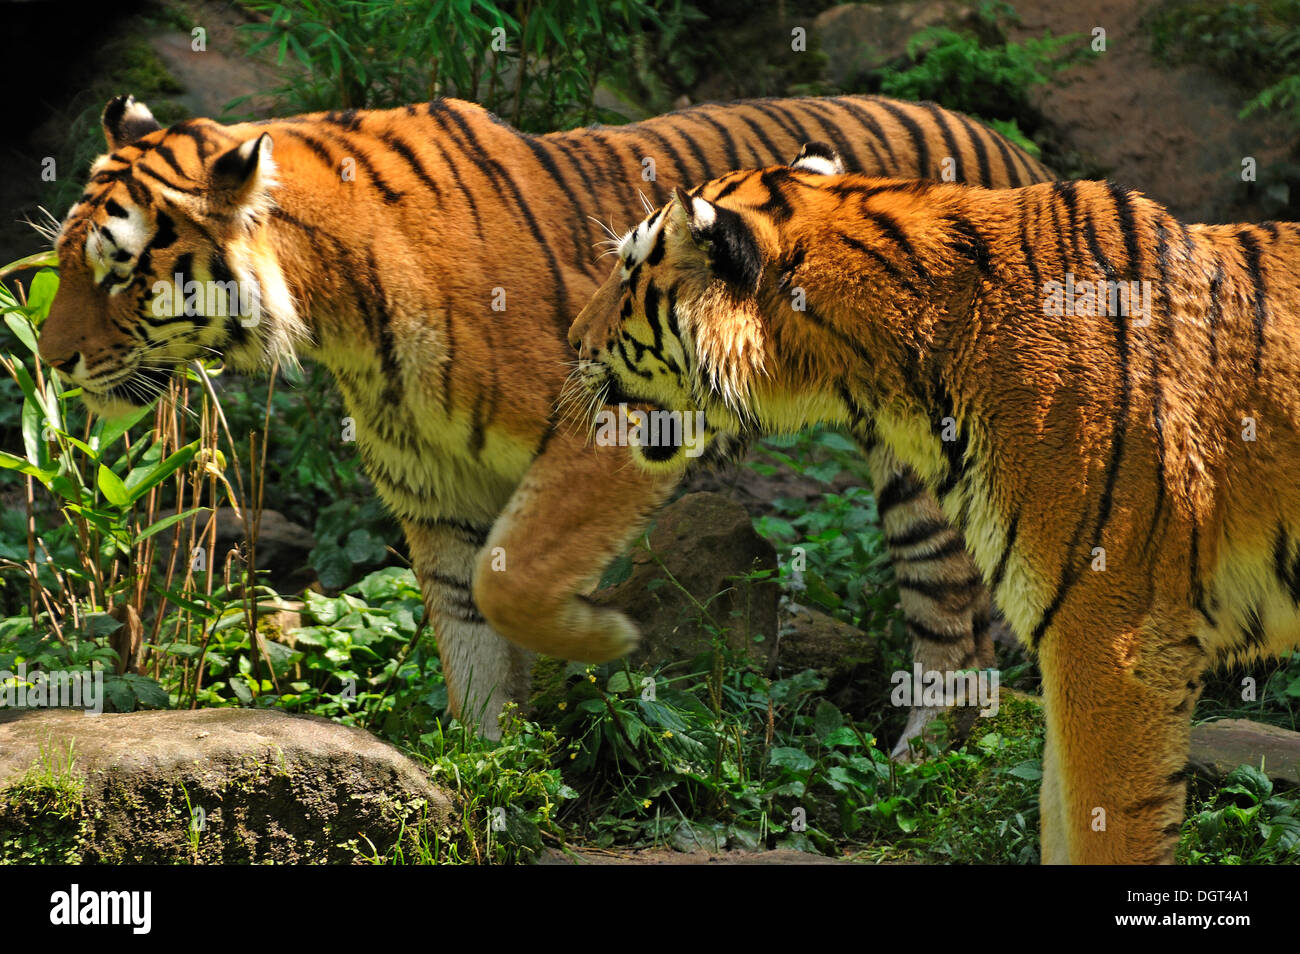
pixel 138 388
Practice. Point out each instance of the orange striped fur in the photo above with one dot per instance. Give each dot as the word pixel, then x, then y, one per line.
pixel 1124 481
pixel 378 244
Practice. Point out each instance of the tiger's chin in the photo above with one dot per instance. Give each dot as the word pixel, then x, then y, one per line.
pixel 110 406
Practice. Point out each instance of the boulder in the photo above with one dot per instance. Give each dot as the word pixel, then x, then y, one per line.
pixel 860 37
pixel 216 786
pixel 1219 747
pixel 844 655
pixel 690 580
pixel 283 547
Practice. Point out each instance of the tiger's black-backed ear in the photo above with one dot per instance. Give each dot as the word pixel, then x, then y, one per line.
pixel 125 121
pixel 820 159
pixel 733 251
pixel 239 170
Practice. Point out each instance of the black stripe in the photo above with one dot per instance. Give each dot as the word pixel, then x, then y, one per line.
pixel 832 127
pixel 921 631
pixel 919 146
pixel 356 152
pixel 939 590
pixel 169 157
pixel 1216 306
pixel 434 113
pixel 902 487
pixel 1000 570
pixel 976 137
pixel 889 225
pixel 543 156
pixel 949 139
pixel 728 143
pixel 562 315
pixel 1250 249
pixel 403 149
pixel 782 116
pixel 869 122
pixel 774 153
pixel 918 533
pixel 1014 179
pixel 951 548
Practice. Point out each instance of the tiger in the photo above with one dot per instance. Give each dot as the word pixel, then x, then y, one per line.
pixel 1105 401
pixel 432 258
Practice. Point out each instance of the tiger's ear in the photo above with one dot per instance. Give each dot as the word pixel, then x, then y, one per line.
pixel 819 159
pixel 734 255
pixel 125 121
pixel 244 170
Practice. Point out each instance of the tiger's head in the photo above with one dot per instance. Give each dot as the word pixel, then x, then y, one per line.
pixel 164 259
pixel 685 325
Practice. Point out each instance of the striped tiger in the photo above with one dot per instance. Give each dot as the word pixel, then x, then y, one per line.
pixel 432 258
pixel 1105 401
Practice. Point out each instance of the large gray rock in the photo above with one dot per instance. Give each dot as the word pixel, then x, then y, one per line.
pixel 266 786
pixel 701 547
pixel 1219 747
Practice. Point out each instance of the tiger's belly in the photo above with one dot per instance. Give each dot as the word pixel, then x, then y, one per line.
pixel 1251 607
pixel 427 460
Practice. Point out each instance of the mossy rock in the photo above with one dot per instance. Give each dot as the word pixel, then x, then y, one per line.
pixel 223 786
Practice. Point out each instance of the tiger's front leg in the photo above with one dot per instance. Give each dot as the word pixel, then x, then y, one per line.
pixel 577 508
pixel 1118 704
pixel 483 670
pixel 946 605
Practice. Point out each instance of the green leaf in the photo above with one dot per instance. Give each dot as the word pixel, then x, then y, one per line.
pixel 617 572
pixel 22 328
pixel 791 759
pixel 147 691
pixel 110 431
pixel 111 486
pixel 163 471
pixel 41 293
pixel 166 522
pixel 826 719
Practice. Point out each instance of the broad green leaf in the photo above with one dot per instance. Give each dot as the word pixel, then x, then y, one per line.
pixel 164 470
pixel 41 293
pixel 21 326
pixel 111 486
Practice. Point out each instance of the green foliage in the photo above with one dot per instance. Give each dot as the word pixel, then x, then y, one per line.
pixel 977 71
pixel 1243 823
pixel 352 534
pixel 847 570
pixel 509 791
pixel 536 64
pixel 1256 45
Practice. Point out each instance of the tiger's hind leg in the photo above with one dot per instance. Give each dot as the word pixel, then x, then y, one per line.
pixel 1118 704
pixel 946 606
pixel 482 669
pixel 577 508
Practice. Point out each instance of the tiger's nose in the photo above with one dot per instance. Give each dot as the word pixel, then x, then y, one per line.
pixel 63 363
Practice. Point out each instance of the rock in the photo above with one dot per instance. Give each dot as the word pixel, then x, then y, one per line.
pixel 845 656
pixel 283 547
pixel 860 37
pixel 268 787
pixel 704 542
pixel 1219 747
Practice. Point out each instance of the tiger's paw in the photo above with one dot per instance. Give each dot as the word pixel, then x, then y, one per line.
pixel 918 719
pixel 574 628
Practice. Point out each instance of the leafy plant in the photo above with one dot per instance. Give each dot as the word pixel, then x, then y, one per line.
pixel 1243 823
pixel 976 70
pixel 537 64
pixel 1256 45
